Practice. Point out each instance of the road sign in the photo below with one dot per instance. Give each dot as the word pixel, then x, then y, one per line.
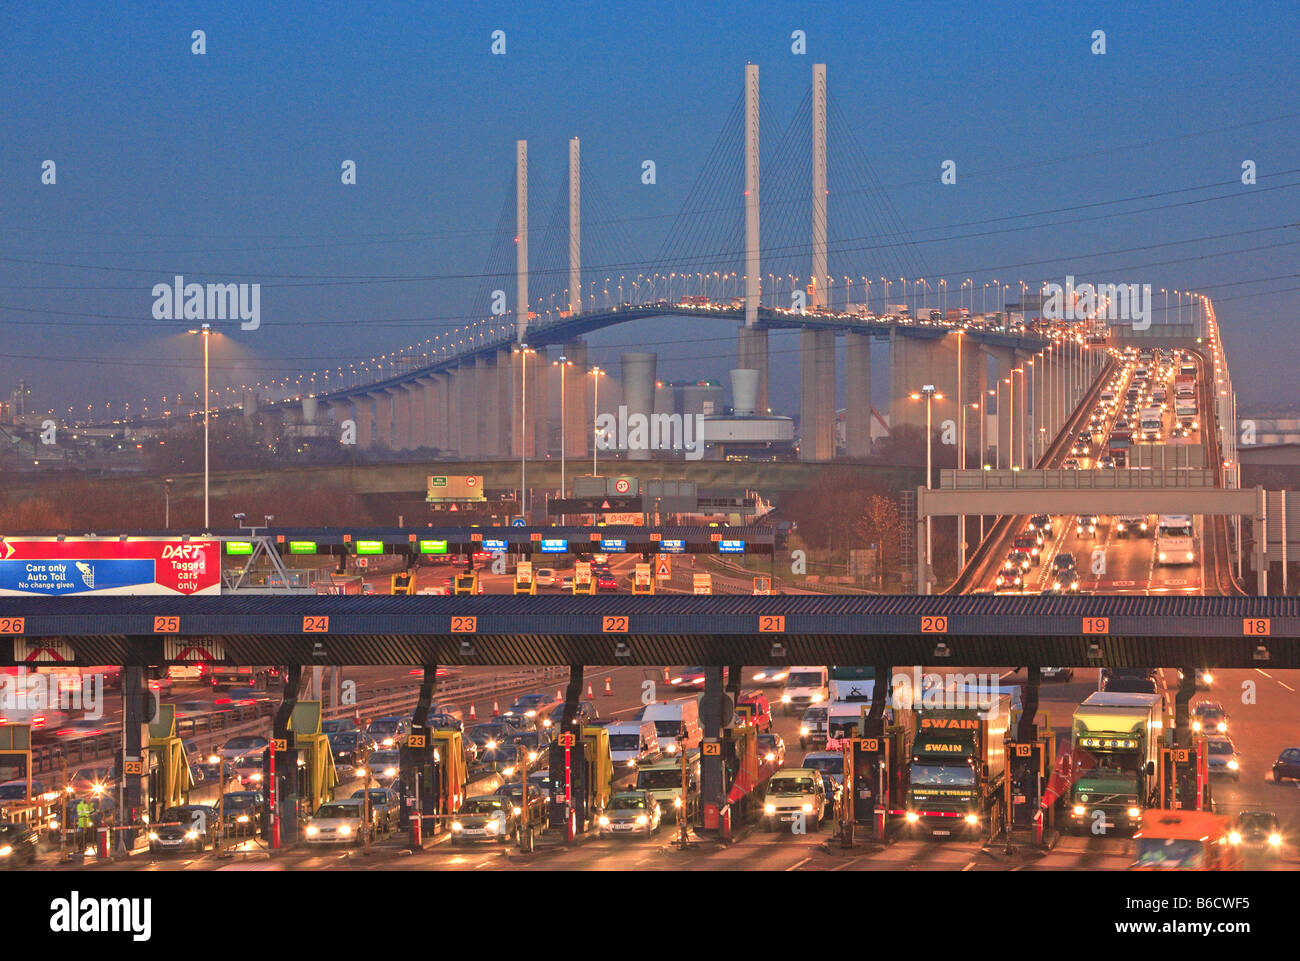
pixel 184 650
pixel 45 650
pixel 594 505
pixel 622 485
pixel 518 522
pixel 49 567
pixel 642 582
pixel 711 748
pixel 663 565
pixel 702 583
pixel 762 585
pixel 461 488
pixel 133 768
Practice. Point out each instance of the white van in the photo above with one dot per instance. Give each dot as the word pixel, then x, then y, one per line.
pixel 632 741
pixel 676 723
pixel 804 688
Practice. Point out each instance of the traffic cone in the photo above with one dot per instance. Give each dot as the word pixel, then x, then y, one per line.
pixel 666 678
pixel 496 708
pixel 473 715
pixel 590 692
pixel 559 696
pixel 609 691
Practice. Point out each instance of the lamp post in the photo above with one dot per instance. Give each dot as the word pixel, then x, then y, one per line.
pixel 206 332
pixel 595 416
pixel 563 363
pixel 167 510
pixel 931 395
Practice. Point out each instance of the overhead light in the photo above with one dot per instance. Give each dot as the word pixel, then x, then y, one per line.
pixel 778 649
pixel 318 650
pixel 621 649
pixel 467 649
pixel 941 650
pixel 1261 653
pixel 1094 651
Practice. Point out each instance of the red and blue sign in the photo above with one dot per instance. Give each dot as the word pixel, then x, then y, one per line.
pixel 48 567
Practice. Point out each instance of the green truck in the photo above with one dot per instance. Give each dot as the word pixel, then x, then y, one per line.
pixel 958 767
pixel 1115 745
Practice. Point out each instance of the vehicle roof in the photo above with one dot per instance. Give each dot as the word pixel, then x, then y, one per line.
pixel 1111 699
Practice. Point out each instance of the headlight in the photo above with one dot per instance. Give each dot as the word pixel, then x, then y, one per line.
pixel 345 830
pixel 785 698
pixel 972 819
pixel 631 762
pixel 312 830
pixel 769 756
pixel 1196 725
pixel 255 777
pixel 153 835
pixel 806 808
pixel 1207 677
pixel 804 730
pixel 388 742
pixel 677 801
pixel 1233 765
pixel 1223 726
pixel 457 826
pixel 672 748
pixel 190 835
pixel 508 771
pixel 1079 810
pixel 642 820
pixel 1191 555
pixel 1234 838
pixel 604 821
pixel 1162 555
pixel 518 811
pixel 1134 812
pixel 492 827
pixel 818 698
pixel 6 851
pixel 491 745
pixel 54 825
pixel 769 808
pixel 242 819
pixel 1275 840
pixel 912 817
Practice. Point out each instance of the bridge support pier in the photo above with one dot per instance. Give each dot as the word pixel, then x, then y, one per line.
pixel 857 381
pixel 751 354
pixel 139 706
pixel 401 401
pixel 466 434
pixel 365 419
pixel 384 420
pixel 487 400
pixel 817 393
pixel 578 428
pixel 711 721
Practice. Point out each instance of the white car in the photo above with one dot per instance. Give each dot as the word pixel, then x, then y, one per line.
pixel 339 822
pixel 545 577
pixel 793 792
pixel 630 812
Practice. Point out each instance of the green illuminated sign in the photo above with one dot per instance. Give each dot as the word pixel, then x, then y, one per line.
pixel 370 547
pixel 302 547
pixel 433 547
pixel 239 547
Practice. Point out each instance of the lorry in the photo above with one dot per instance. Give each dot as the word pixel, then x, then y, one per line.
pixel 663 779
pixel 1115 747
pixel 1151 423
pixel 1118 445
pixel 955 778
pixel 1178 840
pixel 677 724
pixel 1185 411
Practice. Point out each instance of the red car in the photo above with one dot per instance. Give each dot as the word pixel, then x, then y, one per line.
pixel 761 711
pixel 606 582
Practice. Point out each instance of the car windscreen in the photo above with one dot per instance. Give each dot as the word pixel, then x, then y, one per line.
pixel 1220 747
pixel 339 811
pixel 943 774
pixel 482 806
pixel 790 785
pixel 827 765
pixel 804 679
pixel 630 802
pixel 625 742
pixel 668 728
pixel 244 743
pixel 383 727
pixel 659 780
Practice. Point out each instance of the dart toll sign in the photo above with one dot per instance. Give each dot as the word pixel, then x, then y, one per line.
pixel 49 567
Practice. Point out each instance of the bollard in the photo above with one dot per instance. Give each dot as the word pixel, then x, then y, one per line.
pixel 102 836
pixel 417 831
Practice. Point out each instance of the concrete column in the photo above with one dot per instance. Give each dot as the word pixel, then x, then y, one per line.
pixel 418 436
pixel 339 411
pixel 401 400
pixel 539 402
pixel 432 414
pixel 487 400
pixel 752 355
pixel 365 419
pixel 577 403
pixel 857 382
pixel 466 424
pixel 505 407
pixel 899 393
pixel 384 420
pixel 816 387
pixel 638 375
pixel 920 362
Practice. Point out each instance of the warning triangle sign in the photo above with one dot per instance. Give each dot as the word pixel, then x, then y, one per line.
pixel 663 566
pixel 453 507
pixel 604 505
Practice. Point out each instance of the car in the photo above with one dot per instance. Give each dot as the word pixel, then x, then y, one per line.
pixel 236 747
pixel 489 735
pixel 248 770
pixel 689 677
pixel 1010 579
pixel 1086 526
pixel 242 812
pixel 527 705
pixel 539 801
pixel 17 844
pixel 1223 757
pixel 349 747
pixel 630 812
pixel 544 577
pixel 1209 718
pixel 385 807
pixel 1027 544
pixel 384 766
pixel 484 818
pixel 338 725
pixel 184 827
pixel 390 730
pixel 1126 524
pixel 829 763
pixel 760 710
pixel 812 728
pixel 1056 673
pixel 1106 463
pixel 534 742
pixel 1081 447
pixel 793 793
pixel 1178 430
pixel 606 581
pixel 1041 524
pixel 339 822
pixel 1287 765
pixel 442 721
pixel 771 748
pixel 1017 560
pixel 1071 463
pixel 1257 831
pixel 599 559
pixel 1064 561
pixel 770 676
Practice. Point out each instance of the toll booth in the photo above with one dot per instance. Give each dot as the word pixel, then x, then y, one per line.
pixel 170 777
pixel 525 583
pixel 874 770
pixel 1030 765
pixel 1183 781
pixel 762 585
pixel 16 765
pixel 583 582
pixel 433 777
pixel 402 583
pixel 465 583
pixel 643 581
pixel 316 775
pixel 743 778
pixel 582 772
pixel 601 768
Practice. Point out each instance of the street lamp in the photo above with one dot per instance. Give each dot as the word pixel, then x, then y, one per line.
pixel 167 511
pixel 931 394
pixel 206 332
pixel 563 363
pixel 595 415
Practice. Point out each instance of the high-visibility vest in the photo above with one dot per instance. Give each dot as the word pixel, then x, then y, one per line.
pixel 83 814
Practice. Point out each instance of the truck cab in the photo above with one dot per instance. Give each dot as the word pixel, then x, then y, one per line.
pixel 663 779
pixel 1115 748
pixel 1175 539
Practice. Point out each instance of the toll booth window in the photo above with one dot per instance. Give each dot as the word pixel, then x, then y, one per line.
pixel 17 791
pixel 952 775
pixel 790 785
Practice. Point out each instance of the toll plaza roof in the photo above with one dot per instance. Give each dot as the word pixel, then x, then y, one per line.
pixel 1080 631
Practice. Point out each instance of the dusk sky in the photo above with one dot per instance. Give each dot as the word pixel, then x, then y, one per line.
pixel 1124 167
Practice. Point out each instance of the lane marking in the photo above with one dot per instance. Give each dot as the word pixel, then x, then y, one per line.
pixel 845 864
pixel 798 864
pixel 1287 686
pixel 969 866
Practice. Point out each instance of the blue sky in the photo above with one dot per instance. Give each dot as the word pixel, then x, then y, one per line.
pixel 226 166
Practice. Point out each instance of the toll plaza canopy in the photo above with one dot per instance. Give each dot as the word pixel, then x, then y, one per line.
pixel 432 542
pixel 1080 631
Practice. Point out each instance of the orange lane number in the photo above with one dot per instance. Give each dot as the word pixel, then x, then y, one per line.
pixel 934 625
pixel 771 623
pixel 12 625
pixel 167 625
pixel 1096 625
pixel 1257 626
pixel 316 625
pixel 460 624
pixel 614 625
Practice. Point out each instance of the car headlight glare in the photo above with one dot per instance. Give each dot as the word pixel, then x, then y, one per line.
pixel 642 820
pixel 769 808
pixel 191 835
pixel 390 772
pixel 457 826
pixel 153 835
pixel 1234 837
pixel 1275 840
pixel 912 817
pixel 972 819
pixel 677 801
pixel 1233 765
pixel 1079 810
pixel 1134 812
pixel 345 830
pixel 6 851
pixel 312 830
pixel 785 698
pixel 604 821
pixel 804 730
